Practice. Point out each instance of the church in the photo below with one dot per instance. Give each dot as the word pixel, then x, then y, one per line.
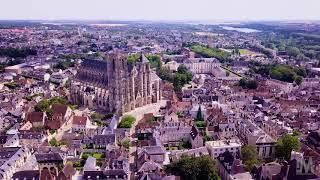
pixel 114 84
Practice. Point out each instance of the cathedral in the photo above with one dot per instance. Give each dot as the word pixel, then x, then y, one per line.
pixel 114 84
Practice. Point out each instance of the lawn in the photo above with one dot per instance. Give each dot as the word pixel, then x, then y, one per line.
pixel 85 155
pixel 247 52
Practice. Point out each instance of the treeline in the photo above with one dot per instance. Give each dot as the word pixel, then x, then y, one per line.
pixel 288 74
pixel 246 83
pixel 17 52
pixel 63 65
pixel 280 72
pixel 72 56
pixel 302 46
pixel 267 51
pixel 209 52
pixel 154 60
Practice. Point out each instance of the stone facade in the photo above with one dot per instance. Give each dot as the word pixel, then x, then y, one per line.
pixel 115 85
pixel 202 65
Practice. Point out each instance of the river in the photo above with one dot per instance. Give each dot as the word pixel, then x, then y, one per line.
pixel 244 30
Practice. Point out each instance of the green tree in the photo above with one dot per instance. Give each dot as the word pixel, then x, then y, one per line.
pixel 193 168
pixel 67 84
pixel 293 51
pixel 182 69
pixel 298 80
pixel 208 52
pixel 126 143
pixel 96 116
pixel 127 121
pixel 42 106
pixel 58 100
pixel 249 156
pixel 155 61
pixel 165 74
pixel 248 83
pixel 54 142
pixel 301 72
pixel 283 73
pixel 201 124
pixel 185 144
pixel 285 145
pixel 133 58
pixel 237 51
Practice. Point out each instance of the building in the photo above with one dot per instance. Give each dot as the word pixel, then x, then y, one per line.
pixel 115 85
pixel 31 139
pixel 12 158
pixel 202 65
pixel 216 148
pixel 230 168
pixel 104 141
pixel 36 119
pixel 196 139
pixel 58 78
pixel 174 132
pixel 50 161
pixel 152 153
pixel 79 124
pixel 251 134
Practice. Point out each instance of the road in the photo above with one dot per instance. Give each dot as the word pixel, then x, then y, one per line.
pixel 138 114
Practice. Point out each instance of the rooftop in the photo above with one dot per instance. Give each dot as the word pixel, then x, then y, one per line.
pixel 223 143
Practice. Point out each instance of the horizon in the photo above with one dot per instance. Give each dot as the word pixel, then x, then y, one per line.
pixel 204 22
pixel 165 10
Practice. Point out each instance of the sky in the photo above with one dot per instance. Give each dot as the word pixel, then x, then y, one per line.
pixel 172 10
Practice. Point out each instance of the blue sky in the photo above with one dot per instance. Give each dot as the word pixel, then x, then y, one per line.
pixel 227 10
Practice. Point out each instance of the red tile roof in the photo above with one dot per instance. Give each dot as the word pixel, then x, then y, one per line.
pixel 59 109
pixel 79 120
pixel 35 117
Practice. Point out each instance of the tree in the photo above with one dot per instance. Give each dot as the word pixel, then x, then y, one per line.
pixel 42 106
pixel 285 145
pixel 54 142
pixel 155 61
pixel 283 73
pixel 201 124
pixel 185 144
pixel 126 143
pixel 58 100
pixel 293 51
pixel 237 51
pixel 96 116
pixel 208 52
pixel 165 74
pixel 133 58
pixel 182 69
pixel 246 83
pixel 127 121
pixel 193 168
pixel 67 84
pixel 249 156
pixel 298 80
pixel 301 72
